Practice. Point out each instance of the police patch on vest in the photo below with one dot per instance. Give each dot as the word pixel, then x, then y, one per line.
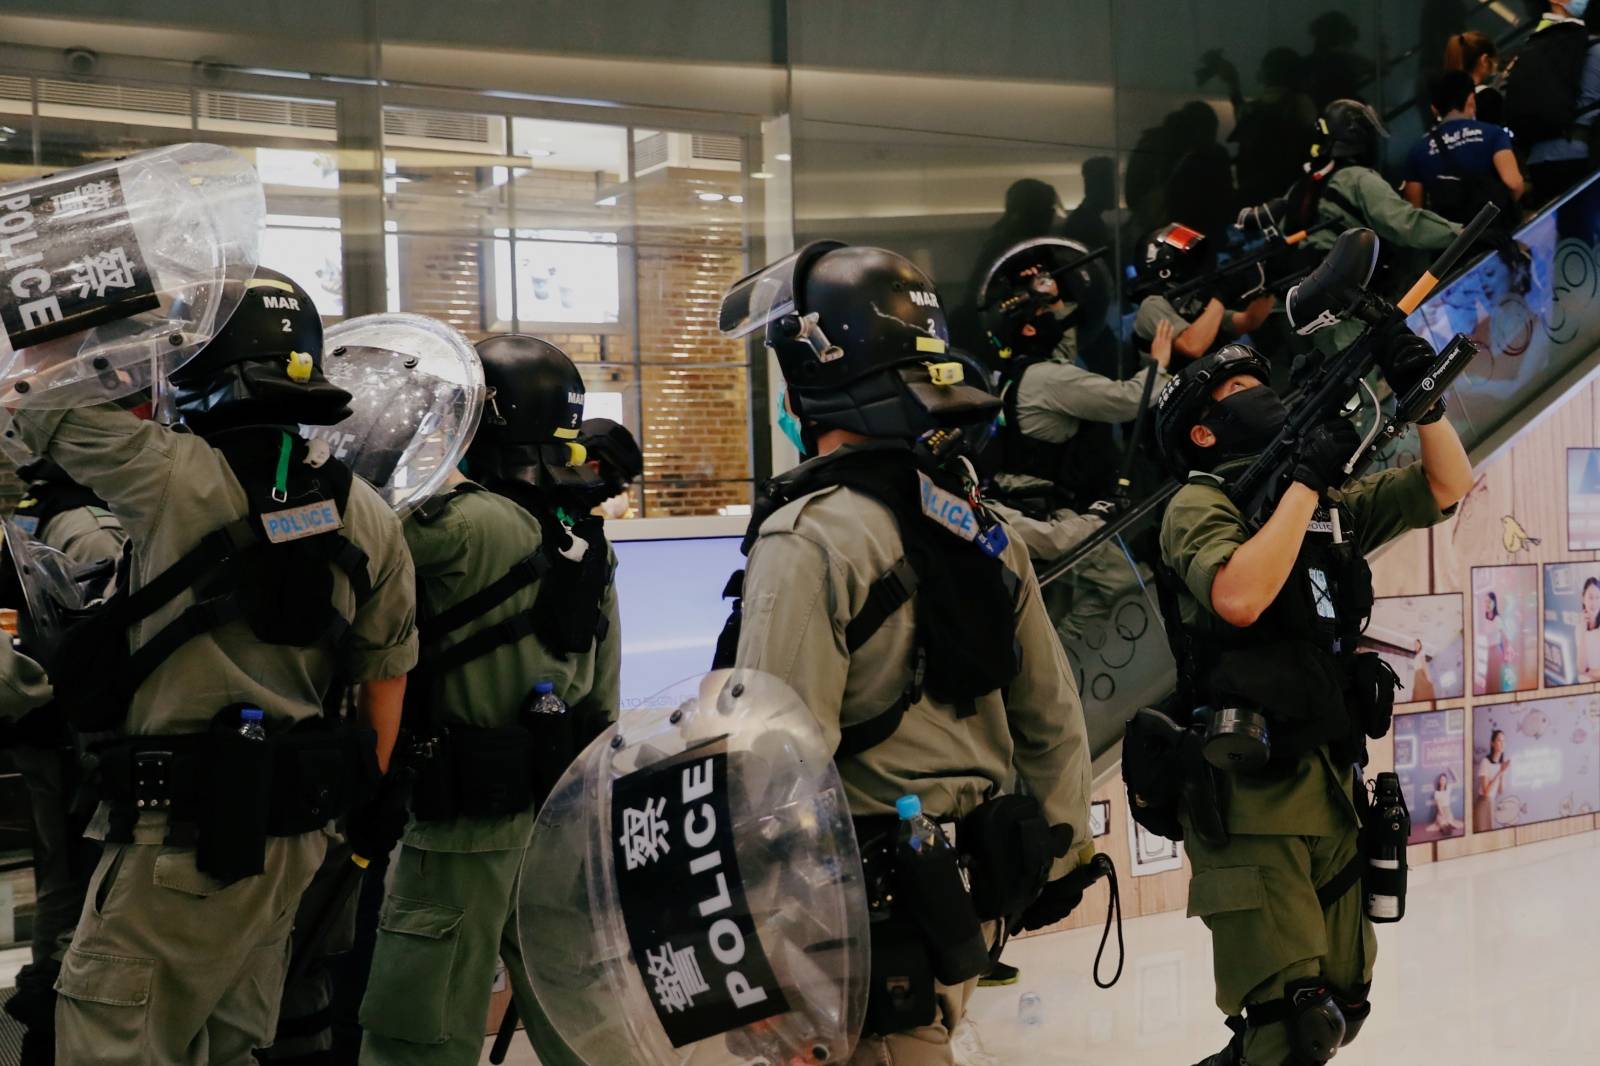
pixel 947 509
pixel 683 901
pixel 28 523
pixel 297 522
pixel 69 260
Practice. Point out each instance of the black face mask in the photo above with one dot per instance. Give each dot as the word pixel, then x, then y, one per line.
pixel 1245 422
pixel 1048 332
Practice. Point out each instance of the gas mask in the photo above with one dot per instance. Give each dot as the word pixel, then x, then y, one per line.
pixel 1245 422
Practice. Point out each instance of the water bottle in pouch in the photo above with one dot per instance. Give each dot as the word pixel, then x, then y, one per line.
pixel 1388 830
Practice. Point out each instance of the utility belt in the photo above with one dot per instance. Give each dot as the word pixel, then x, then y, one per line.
pixel 475 772
pixel 224 794
pixel 927 912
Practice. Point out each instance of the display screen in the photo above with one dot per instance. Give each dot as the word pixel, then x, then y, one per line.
pixel 669 594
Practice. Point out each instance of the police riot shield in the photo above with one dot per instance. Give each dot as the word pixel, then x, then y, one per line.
pixel 113 275
pixel 57 593
pixel 692 894
pixel 417 393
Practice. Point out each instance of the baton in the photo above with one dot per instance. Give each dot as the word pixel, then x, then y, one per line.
pixel 1465 239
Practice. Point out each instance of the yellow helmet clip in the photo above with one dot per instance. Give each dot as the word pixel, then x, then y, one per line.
pixel 577 454
pixel 946 374
pixel 300 366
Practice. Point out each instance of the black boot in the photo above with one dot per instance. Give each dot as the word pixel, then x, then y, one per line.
pixel 1233 1054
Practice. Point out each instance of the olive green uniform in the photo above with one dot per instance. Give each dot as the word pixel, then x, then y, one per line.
pixel 83 535
pixel 451 908
pixel 809 573
pixel 1290 835
pixel 1398 224
pixel 169 966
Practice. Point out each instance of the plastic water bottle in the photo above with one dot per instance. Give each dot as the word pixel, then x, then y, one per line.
pixel 917 830
pixel 545 700
pixel 251 726
pixel 1030 1010
pixel 933 886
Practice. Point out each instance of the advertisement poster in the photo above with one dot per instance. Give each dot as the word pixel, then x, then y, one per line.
pixel 1571 624
pixel 1583 499
pixel 1428 756
pixel 1421 638
pixel 1535 761
pixel 1505 629
pixel 1151 854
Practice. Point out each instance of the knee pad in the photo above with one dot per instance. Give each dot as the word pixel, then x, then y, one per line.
pixel 1311 1015
pixel 1357 1008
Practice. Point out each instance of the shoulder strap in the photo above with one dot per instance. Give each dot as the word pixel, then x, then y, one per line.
pixel 523 573
pixel 1342 202
pixel 892 590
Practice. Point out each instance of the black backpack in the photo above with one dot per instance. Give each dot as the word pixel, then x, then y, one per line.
pixel 1459 197
pixel 1541 89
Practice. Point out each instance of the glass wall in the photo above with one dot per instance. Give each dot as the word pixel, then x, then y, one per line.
pixel 598 172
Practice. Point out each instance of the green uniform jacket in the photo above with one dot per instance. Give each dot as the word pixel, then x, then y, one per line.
pixel 1199 533
pixel 1056 397
pixel 809 573
pixel 476 540
pixel 169 489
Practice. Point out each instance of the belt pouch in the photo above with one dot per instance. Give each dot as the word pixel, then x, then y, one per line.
pixel 934 891
pixel 1008 841
pixel 231 823
pixel 492 771
pixel 552 745
pixel 901 995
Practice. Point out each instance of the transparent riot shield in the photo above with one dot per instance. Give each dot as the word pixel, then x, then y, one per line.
pixel 417 394
pixel 113 275
pixel 57 592
pixel 692 894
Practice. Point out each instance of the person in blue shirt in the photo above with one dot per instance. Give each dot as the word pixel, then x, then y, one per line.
pixel 1461 163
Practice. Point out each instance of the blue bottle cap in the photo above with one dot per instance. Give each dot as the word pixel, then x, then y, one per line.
pixel 908 807
pixel 544 688
pixel 251 714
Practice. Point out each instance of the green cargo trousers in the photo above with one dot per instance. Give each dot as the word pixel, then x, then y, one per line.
pixel 169 967
pixel 446 919
pixel 1258 896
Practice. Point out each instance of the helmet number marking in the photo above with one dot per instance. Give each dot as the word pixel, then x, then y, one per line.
pixel 287 328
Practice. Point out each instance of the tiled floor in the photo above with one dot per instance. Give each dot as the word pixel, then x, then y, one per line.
pixel 1497 962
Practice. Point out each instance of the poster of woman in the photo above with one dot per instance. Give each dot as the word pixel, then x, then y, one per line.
pixel 1571 623
pixel 1535 761
pixel 1420 637
pixel 1429 750
pixel 1505 629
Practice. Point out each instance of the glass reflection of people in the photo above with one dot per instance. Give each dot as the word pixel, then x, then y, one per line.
pixel 1273 130
pixel 1475 53
pixel 1421 679
pixel 1445 823
pixel 1086 223
pixel 1491 782
pixel 1589 636
pixel 1334 69
pixel 1489 646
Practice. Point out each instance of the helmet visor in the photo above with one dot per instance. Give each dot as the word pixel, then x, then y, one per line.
pixel 768 293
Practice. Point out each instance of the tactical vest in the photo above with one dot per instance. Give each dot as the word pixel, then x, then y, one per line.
pixel 272 569
pixel 47 499
pixel 1082 468
pixel 1297 662
pixel 964 600
pixel 500 772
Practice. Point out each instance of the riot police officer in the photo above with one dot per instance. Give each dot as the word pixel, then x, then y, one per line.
pixel 615 458
pixel 1175 254
pixel 519 670
pixel 1055 448
pixel 69 518
pixel 1268 621
pixel 262 579
pixel 891 600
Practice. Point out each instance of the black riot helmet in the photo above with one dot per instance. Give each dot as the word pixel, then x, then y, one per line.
pixel 1173 254
pixel 264 366
pixel 1039 284
pixel 532 411
pixel 611 445
pixel 1186 401
pixel 1349 131
pixel 861 337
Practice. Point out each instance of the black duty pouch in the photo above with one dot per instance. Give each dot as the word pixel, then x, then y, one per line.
pixel 1152 771
pixel 1372 687
pixel 933 888
pixel 318 774
pixel 1299 688
pixel 492 773
pixel 900 995
pixel 1010 846
pixel 235 797
pixel 552 745
pixel 433 790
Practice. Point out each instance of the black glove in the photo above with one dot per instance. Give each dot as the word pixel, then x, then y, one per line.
pixel 1059 899
pixel 1107 510
pixel 1405 359
pixel 1323 453
pixel 376 826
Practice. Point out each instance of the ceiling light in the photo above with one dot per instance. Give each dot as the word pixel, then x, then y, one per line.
pixel 608 201
pixel 783 157
pixel 761 175
pixel 540 153
pixel 736 199
pixel 710 197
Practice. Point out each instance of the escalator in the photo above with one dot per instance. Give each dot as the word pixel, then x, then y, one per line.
pixel 1539 331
